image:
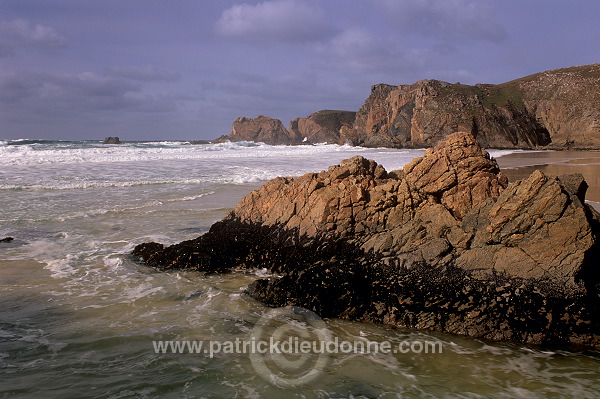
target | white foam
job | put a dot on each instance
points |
(192, 197)
(96, 184)
(500, 153)
(6, 334)
(30, 155)
(594, 204)
(59, 268)
(143, 290)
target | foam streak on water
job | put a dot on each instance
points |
(78, 315)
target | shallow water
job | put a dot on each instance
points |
(78, 316)
(521, 165)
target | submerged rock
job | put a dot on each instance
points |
(445, 244)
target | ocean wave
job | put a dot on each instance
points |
(500, 153)
(91, 213)
(96, 184)
(64, 153)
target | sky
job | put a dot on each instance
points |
(185, 69)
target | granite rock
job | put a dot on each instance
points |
(445, 244)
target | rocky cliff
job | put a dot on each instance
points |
(260, 129)
(320, 127)
(556, 109)
(444, 244)
(566, 102)
(323, 126)
(422, 114)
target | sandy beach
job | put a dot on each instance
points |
(520, 165)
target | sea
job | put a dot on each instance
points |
(81, 318)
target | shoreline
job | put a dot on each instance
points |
(520, 165)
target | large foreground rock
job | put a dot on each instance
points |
(445, 244)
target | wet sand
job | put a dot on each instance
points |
(520, 165)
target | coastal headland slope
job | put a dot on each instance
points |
(555, 109)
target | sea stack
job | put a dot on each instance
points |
(260, 129)
(445, 244)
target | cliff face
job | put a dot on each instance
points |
(554, 109)
(566, 102)
(323, 126)
(319, 127)
(422, 114)
(260, 129)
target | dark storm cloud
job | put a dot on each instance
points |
(286, 21)
(41, 93)
(19, 34)
(305, 86)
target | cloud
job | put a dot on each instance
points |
(145, 73)
(284, 96)
(355, 48)
(289, 21)
(18, 33)
(448, 20)
(42, 94)
(368, 57)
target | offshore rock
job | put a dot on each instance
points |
(445, 244)
(112, 140)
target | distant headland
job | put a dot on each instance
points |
(555, 109)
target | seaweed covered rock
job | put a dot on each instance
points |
(445, 244)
